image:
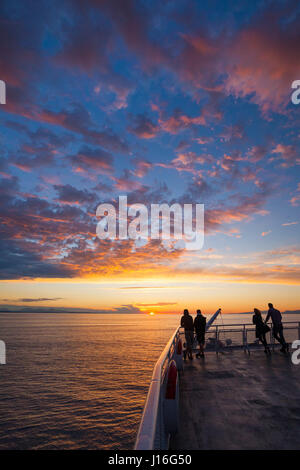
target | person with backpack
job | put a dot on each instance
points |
(261, 329)
(200, 326)
(276, 317)
(188, 324)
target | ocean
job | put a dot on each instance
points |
(79, 381)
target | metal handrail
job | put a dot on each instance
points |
(146, 433)
(244, 329)
(249, 324)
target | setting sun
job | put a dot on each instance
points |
(151, 313)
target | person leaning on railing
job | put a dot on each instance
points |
(277, 327)
(187, 323)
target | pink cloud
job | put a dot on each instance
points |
(141, 167)
(143, 127)
(261, 63)
(175, 124)
(287, 224)
(295, 199)
(288, 153)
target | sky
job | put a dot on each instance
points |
(174, 101)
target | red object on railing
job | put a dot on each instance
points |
(179, 347)
(171, 381)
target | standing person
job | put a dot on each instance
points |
(188, 324)
(200, 325)
(261, 329)
(277, 327)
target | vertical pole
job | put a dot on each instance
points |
(299, 330)
(2, 92)
(2, 352)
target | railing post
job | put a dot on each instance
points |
(217, 339)
(299, 330)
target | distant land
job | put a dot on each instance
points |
(32, 309)
(122, 309)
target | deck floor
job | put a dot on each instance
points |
(236, 401)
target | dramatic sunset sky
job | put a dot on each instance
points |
(162, 101)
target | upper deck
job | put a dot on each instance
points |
(238, 401)
(235, 398)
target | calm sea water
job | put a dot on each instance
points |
(79, 381)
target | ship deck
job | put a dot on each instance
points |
(239, 401)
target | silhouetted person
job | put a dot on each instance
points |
(199, 325)
(188, 324)
(261, 329)
(277, 327)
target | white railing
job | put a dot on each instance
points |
(234, 336)
(152, 427)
